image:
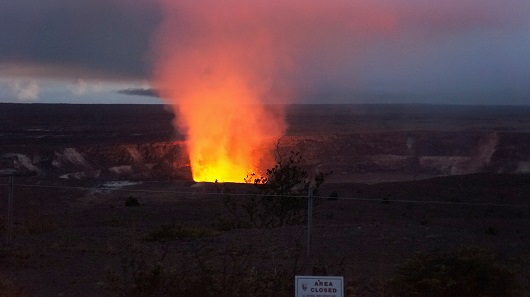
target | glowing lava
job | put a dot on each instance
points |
(215, 79)
(229, 132)
(227, 137)
(226, 141)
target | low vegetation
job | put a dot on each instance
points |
(201, 271)
(132, 202)
(467, 272)
(243, 271)
(282, 199)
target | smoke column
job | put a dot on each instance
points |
(215, 62)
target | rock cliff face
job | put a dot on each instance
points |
(163, 160)
(416, 153)
(355, 141)
(398, 153)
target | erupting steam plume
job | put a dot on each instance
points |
(215, 75)
(215, 62)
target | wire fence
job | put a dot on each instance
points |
(220, 194)
(234, 204)
(362, 238)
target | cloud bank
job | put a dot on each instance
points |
(96, 38)
(25, 91)
(340, 45)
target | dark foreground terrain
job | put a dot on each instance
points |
(82, 229)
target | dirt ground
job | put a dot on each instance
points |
(69, 237)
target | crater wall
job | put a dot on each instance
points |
(356, 142)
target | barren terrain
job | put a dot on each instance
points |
(407, 179)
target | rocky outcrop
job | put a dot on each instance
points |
(401, 154)
(412, 153)
(138, 141)
(416, 153)
(164, 160)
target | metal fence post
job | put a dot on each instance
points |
(309, 219)
(9, 235)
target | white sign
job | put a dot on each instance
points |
(319, 286)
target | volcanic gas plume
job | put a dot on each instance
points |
(215, 62)
(215, 78)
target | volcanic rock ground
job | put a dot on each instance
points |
(409, 179)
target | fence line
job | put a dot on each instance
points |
(274, 196)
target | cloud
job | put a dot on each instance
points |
(140, 92)
(315, 45)
(97, 36)
(83, 87)
(269, 45)
(25, 90)
(114, 36)
(80, 88)
(402, 45)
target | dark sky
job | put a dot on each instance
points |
(466, 51)
(91, 36)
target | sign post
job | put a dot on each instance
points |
(319, 286)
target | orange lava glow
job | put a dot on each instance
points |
(216, 63)
(226, 145)
(229, 132)
(215, 81)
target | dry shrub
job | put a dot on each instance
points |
(282, 198)
(466, 273)
(201, 271)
